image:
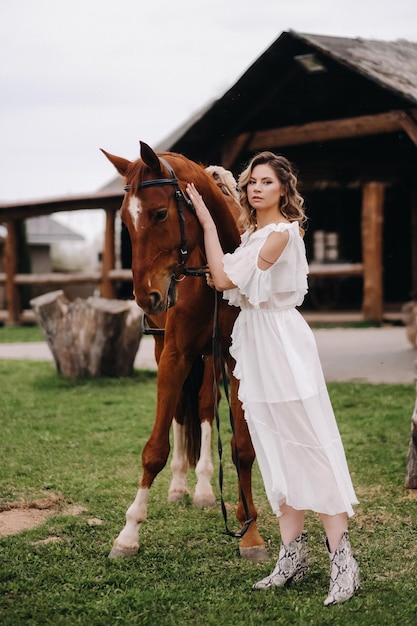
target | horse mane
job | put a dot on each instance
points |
(225, 180)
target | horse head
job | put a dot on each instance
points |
(163, 229)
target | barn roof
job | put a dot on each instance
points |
(393, 64)
(44, 230)
(346, 78)
(301, 80)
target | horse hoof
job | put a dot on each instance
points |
(123, 553)
(201, 501)
(254, 553)
(176, 496)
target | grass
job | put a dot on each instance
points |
(83, 440)
(18, 334)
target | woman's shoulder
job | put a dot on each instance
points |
(265, 231)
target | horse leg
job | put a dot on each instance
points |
(203, 493)
(127, 542)
(154, 457)
(179, 465)
(251, 545)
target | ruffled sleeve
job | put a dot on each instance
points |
(287, 275)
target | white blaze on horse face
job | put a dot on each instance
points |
(135, 209)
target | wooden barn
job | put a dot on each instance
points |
(345, 112)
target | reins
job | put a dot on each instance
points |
(180, 198)
(218, 357)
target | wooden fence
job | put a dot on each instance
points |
(59, 280)
(109, 276)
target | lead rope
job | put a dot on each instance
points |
(218, 356)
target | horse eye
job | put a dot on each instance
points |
(161, 215)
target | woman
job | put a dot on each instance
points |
(281, 383)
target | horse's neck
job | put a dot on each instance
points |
(224, 209)
(225, 212)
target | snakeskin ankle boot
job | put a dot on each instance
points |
(292, 564)
(344, 572)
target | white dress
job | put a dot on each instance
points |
(282, 387)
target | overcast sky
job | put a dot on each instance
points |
(77, 75)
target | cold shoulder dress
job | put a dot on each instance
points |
(281, 383)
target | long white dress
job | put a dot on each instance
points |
(282, 387)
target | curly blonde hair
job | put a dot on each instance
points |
(291, 203)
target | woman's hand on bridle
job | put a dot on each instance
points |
(209, 279)
(201, 210)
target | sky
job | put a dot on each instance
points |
(80, 75)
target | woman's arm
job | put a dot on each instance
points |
(212, 245)
(272, 249)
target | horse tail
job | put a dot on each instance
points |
(188, 411)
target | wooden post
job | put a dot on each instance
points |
(108, 289)
(411, 470)
(372, 220)
(413, 203)
(11, 260)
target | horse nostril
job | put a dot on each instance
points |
(154, 298)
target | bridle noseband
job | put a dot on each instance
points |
(180, 199)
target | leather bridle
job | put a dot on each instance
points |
(180, 200)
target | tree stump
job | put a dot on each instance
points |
(409, 315)
(92, 337)
(411, 476)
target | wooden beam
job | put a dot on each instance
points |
(335, 269)
(327, 130)
(73, 278)
(22, 210)
(11, 260)
(409, 125)
(232, 149)
(107, 288)
(372, 221)
(57, 278)
(413, 235)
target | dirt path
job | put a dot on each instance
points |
(16, 517)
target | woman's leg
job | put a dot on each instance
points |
(291, 523)
(344, 569)
(292, 564)
(335, 526)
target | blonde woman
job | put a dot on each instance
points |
(281, 383)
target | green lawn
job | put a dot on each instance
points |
(82, 441)
(13, 334)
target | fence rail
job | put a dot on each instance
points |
(61, 279)
(70, 278)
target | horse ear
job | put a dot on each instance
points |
(150, 158)
(119, 163)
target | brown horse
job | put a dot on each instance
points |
(191, 436)
(166, 240)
